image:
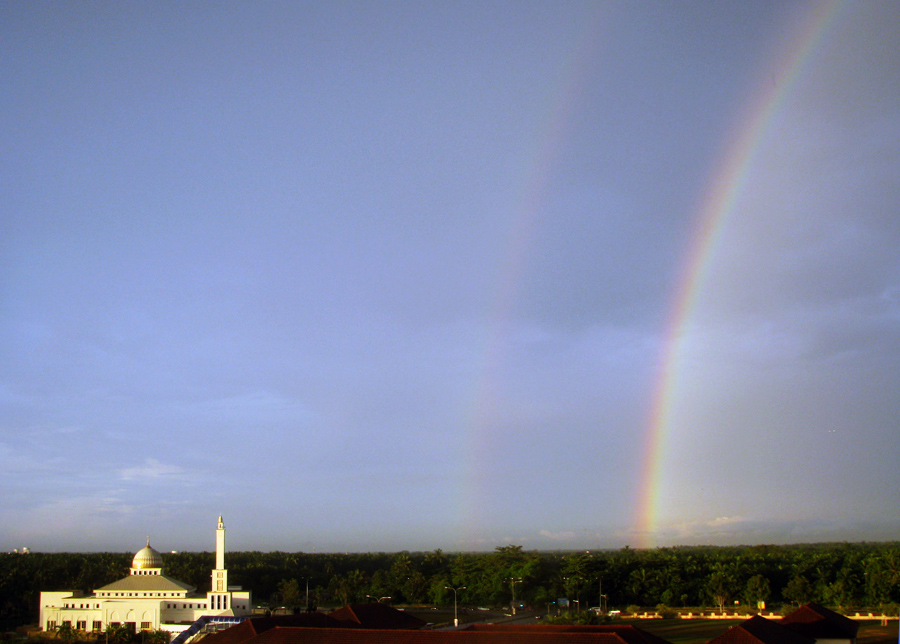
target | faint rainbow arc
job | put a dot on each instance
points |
(535, 173)
(716, 204)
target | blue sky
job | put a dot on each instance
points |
(385, 276)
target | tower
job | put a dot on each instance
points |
(219, 597)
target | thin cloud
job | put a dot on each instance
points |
(153, 471)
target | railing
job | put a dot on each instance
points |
(207, 623)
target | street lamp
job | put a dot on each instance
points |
(577, 595)
(512, 582)
(455, 610)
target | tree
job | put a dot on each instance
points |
(118, 634)
(348, 588)
(798, 590)
(757, 591)
(66, 633)
(159, 636)
(718, 586)
(289, 591)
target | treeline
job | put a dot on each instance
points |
(844, 576)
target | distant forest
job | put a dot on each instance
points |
(844, 576)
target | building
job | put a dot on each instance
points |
(759, 630)
(809, 624)
(381, 624)
(147, 599)
(823, 625)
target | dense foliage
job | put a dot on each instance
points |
(843, 576)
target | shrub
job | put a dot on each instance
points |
(665, 612)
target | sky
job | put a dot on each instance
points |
(365, 276)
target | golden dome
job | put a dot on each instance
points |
(147, 557)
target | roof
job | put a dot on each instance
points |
(759, 630)
(251, 628)
(625, 632)
(819, 623)
(377, 615)
(536, 635)
(155, 583)
(147, 557)
(343, 627)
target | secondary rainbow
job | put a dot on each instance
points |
(535, 172)
(717, 203)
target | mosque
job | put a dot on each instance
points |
(147, 599)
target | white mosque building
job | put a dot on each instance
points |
(146, 599)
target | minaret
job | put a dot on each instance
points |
(220, 545)
(219, 598)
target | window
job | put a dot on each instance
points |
(51, 626)
(98, 626)
(146, 626)
(81, 625)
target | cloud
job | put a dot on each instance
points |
(723, 521)
(153, 471)
(104, 510)
(566, 535)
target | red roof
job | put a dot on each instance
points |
(625, 632)
(377, 615)
(357, 624)
(251, 628)
(819, 623)
(759, 630)
(536, 635)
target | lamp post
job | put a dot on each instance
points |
(455, 609)
(577, 599)
(512, 582)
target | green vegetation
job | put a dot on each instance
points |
(842, 576)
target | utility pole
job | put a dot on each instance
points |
(512, 582)
(455, 609)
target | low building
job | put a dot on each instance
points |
(381, 624)
(823, 625)
(147, 599)
(809, 624)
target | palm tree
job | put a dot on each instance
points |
(66, 633)
(159, 636)
(118, 634)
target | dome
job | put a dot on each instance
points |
(147, 557)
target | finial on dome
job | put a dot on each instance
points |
(148, 541)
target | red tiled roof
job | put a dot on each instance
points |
(377, 615)
(759, 630)
(352, 625)
(819, 622)
(465, 636)
(251, 628)
(626, 632)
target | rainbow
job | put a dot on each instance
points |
(534, 175)
(716, 204)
